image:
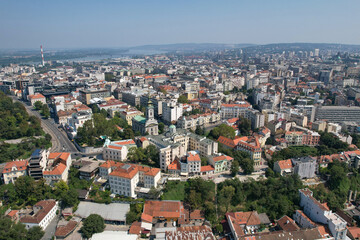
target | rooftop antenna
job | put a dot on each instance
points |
(42, 56)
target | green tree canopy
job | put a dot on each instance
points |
(222, 130)
(94, 223)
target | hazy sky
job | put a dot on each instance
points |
(102, 23)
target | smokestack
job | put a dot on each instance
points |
(42, 55)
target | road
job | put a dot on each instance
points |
(51, 228)
(60, 141)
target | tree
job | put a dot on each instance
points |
(94, 223)
(38, 105)
(136, 154)
(70, 198)
(247, 165)
(244, 126)
(199, 130)
(35, 233)
(152, 155)
(226, 195)
(45, 111)
(161, 127)
(131, 217)
(234, 168)
(183, 99)
(222, 130)
(204, 161)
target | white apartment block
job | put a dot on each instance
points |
(320, 212)
(201, 120)
(43, 213)
(125, 178)
(234, 110)
(171, 111)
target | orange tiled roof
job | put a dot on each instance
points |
(57, 170)
(222, 158)
(166, 209)
(207, 168)
(46, 206)
(36, 96)
(193, 157)
(125, 173)
(285, 164)
(20, 165)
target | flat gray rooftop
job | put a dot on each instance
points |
(110, 212)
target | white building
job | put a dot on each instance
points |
(171, 111)
(117, 150)
(320, 212)
(78, 119)
(125, 178)
(37, 98)
(58, 167)
(14, 170)
(43, 212)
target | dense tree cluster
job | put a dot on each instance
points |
(91, 131)
(27, 191)
(193, 112)
(15, 122)
(241, 159)
(135, 213)
(148, 156)
(222, 130)
(274, 196)
(9, 152)
(183, 99)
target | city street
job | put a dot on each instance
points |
(60, 141)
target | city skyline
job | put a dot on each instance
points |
(93, 24)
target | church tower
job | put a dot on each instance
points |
(150, 110)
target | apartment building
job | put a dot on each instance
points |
(221, 162)
(199, 120)
(43, 213)
(117, 150)
(37, 98)
(78, 119)
(87, 94)
(129, 114)
(175, 143)
(234, 110)
(171, 111)
(58, 166)
(297, 138)
(320, 213)
(14, 170)
(125, 178)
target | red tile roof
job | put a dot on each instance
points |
(57, 170)
(285, 164)
(166, 209)
(122, 172)
(135, 228)
(46, 206)
(64, 231)
(36, 96)
(207, 168)
(20, 165)
(287, 224)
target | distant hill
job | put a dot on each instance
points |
(191, 46)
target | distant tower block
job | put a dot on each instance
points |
(42, 55)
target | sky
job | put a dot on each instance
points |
(26, 24)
